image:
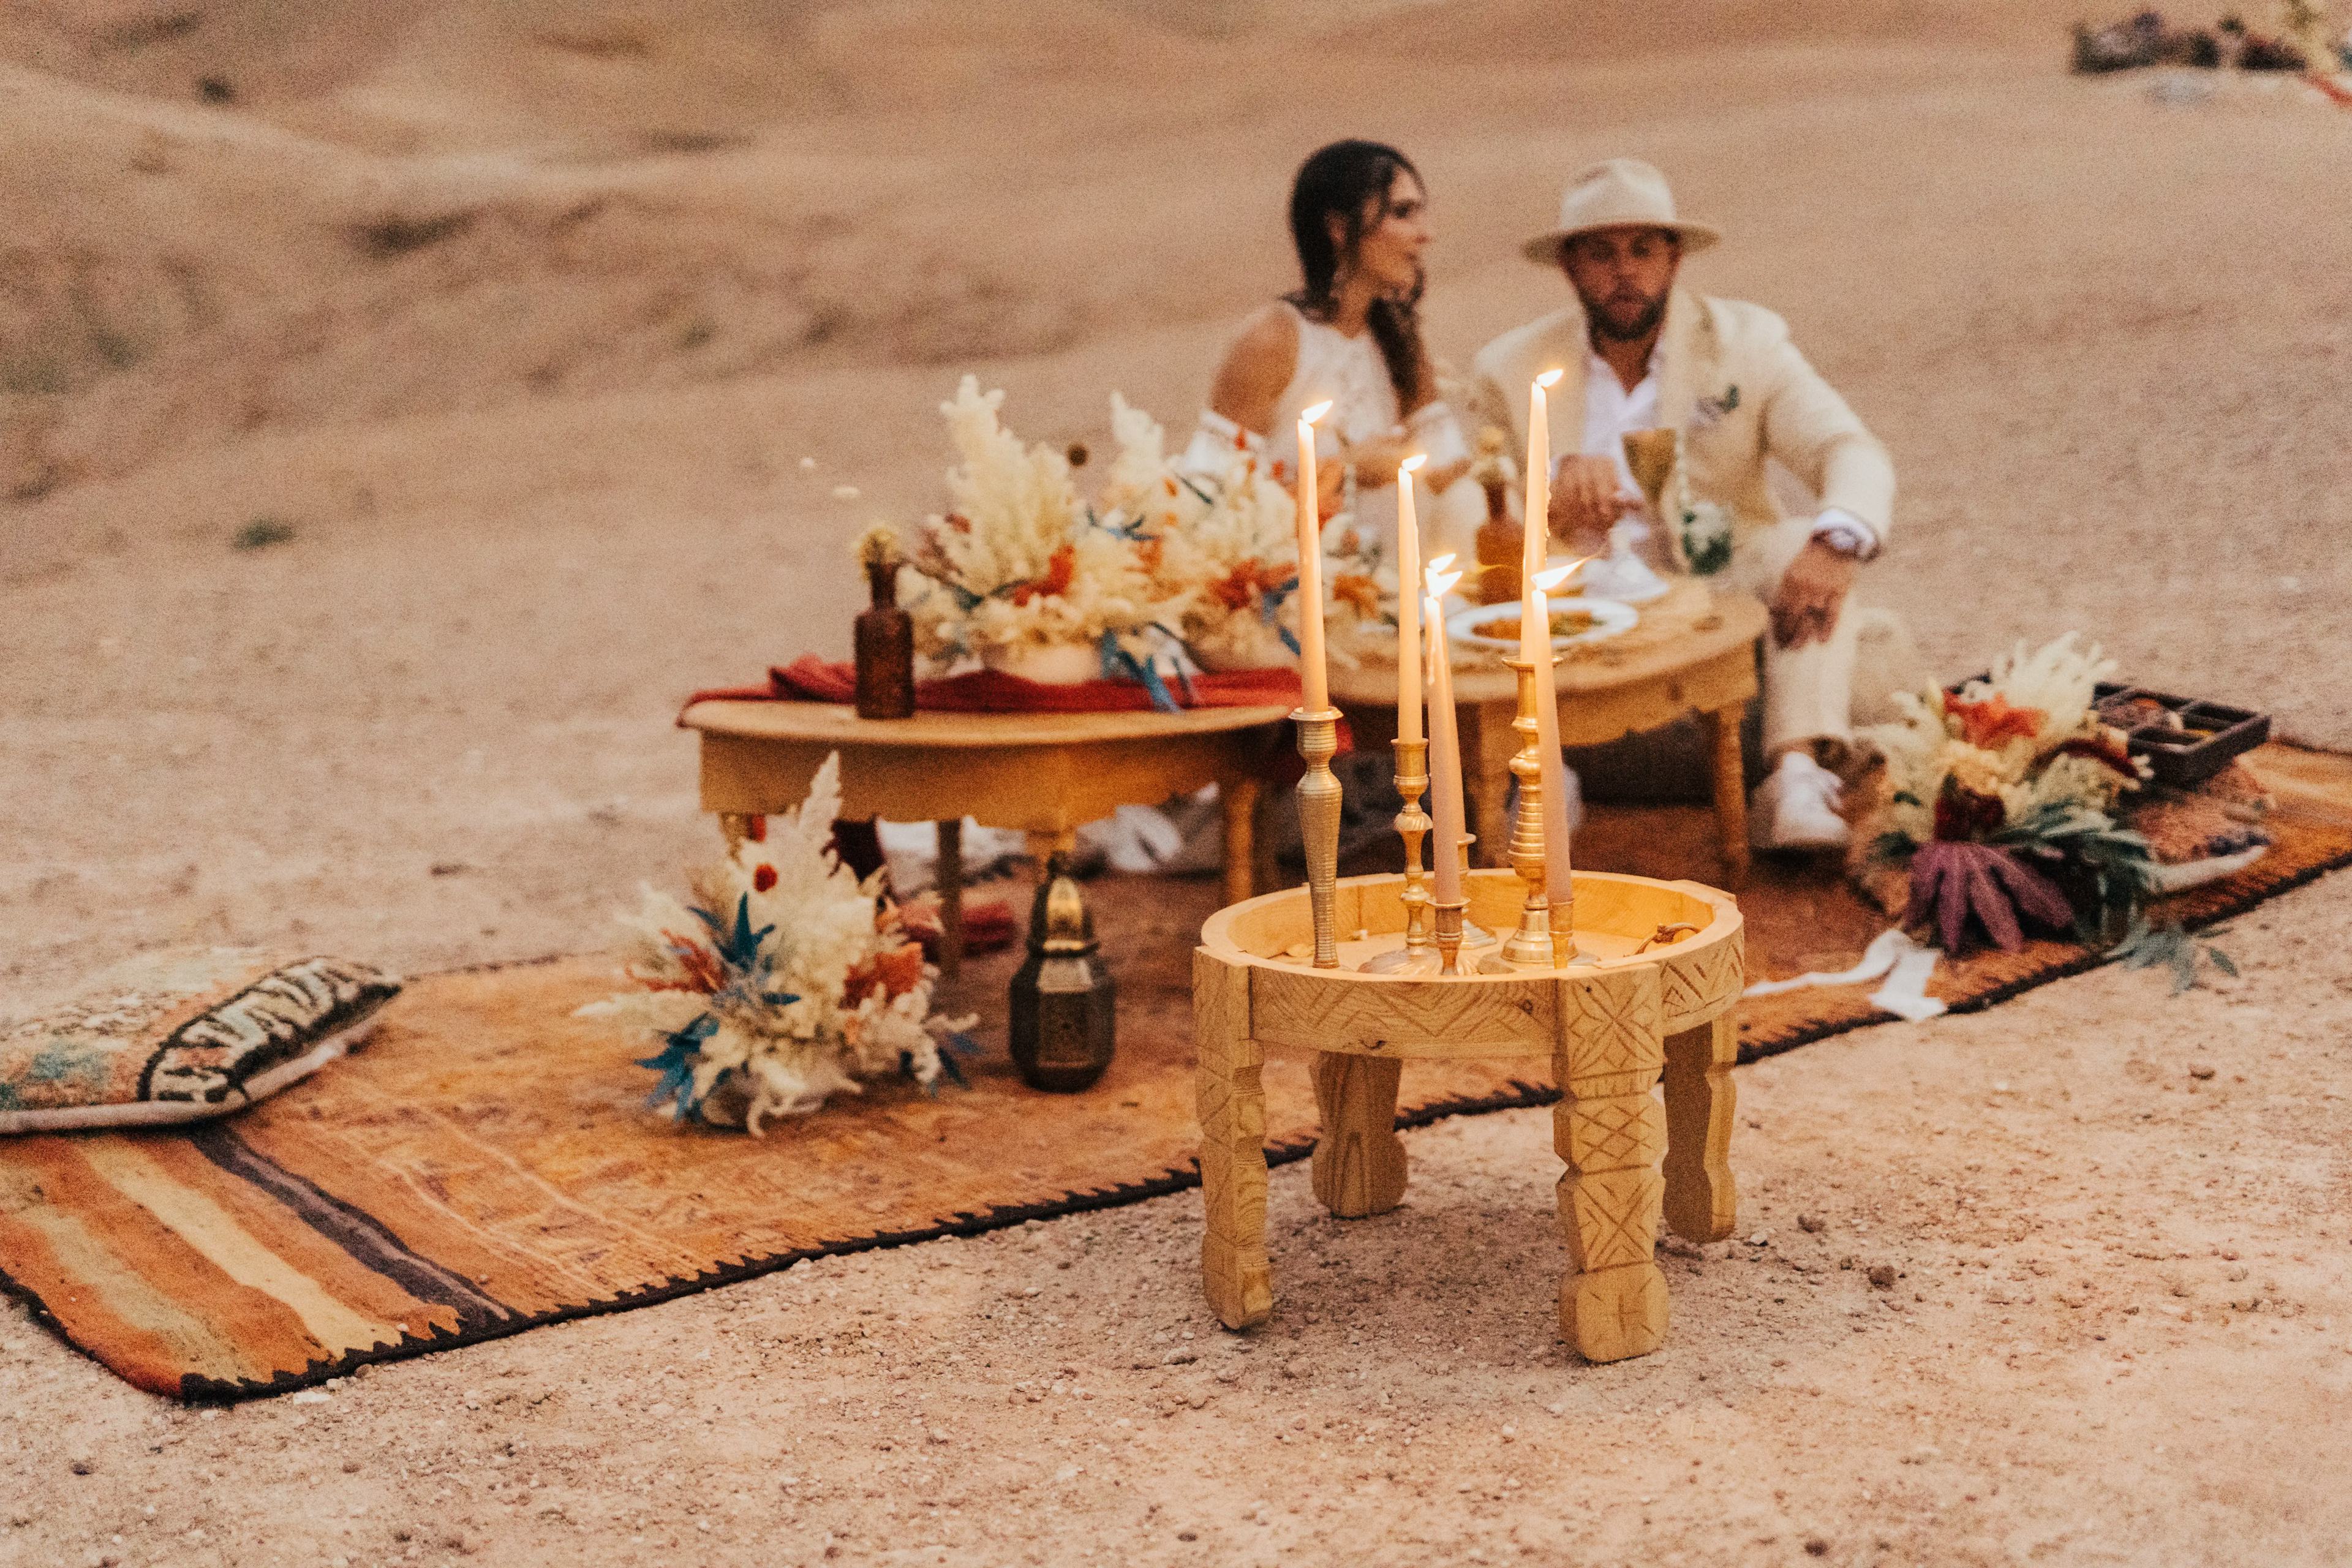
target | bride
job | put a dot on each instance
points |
(1350, 335)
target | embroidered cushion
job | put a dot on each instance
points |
(183, 1036)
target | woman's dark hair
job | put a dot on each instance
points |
(1351, 180)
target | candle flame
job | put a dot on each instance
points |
(1440, 563)
(1309, 416)
(1442, 583)
(1549, 378)
(1552, 579)
(1414, 463)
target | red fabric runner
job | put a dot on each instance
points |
(809, 678)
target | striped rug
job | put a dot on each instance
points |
(486, 1164)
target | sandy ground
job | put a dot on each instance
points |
(523, 318)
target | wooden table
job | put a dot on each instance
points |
(1611, 1028)
(1039, 774)
(1694, 653)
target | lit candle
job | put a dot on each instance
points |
(1408, 604)
(1538, 497)
(1317, 692)
(1445, 743)
(1558, 889)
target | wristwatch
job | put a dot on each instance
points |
(1847, 533)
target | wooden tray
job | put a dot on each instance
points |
(2210, 735)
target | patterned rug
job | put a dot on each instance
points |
(486, 1165)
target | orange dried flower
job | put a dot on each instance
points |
(1991, 723)
(1060, 568)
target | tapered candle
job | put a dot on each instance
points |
(1311, 676)
(1538, 498)
(1445, 743)
(1558, 889)
(1408, 604)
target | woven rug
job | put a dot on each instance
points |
(486, 1164)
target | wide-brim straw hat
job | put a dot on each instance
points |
(1623, 192)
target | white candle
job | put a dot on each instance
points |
(1445, 745)
(1311, 675)
(1558, 889)
(1538, 497)
(1408, 604)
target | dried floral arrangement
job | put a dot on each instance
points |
(1162, 559)
(1998, 804)
(783, 982)
(1220, 544)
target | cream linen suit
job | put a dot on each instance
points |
(1731, 380)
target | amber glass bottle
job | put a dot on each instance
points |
(885, 648)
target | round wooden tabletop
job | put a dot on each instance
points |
(837, 724)
(1692, 625)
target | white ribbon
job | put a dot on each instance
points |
(1907, 966)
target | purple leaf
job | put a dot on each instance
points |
(1991, 904)
(2036, 896)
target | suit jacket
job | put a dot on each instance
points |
(1731, 380)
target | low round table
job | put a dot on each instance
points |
(1039, 774)
(1609, 1029)
(1692, 653)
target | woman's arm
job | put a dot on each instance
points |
(1255, 370)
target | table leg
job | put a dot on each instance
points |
(1702, 1199)
(1611, 1132)
(1731, 795)
(1265, 865)
(950, 877)
(1231, 1096)
(1240, 796)
(1359, 1165)
(1488, 744)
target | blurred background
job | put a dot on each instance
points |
(402, 406)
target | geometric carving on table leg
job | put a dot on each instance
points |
(1702, 1198)
(1705, 982)
(1611, 1131)
(1231, 1098)
(1360, 1165)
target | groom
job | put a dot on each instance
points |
(1642, 354)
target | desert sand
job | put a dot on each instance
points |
(550, 331)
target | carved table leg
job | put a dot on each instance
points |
(950, 874)
(1612, 1130)
(1358, 1161)
(1731, 795)
(1239, 796)
(1235, 1271)
(1702, 1199)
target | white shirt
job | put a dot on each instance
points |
(1611, 413)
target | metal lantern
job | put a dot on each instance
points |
(1063, 1029)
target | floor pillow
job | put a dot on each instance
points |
(181, 1035)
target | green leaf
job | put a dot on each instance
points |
(2222, 962)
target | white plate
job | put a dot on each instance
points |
(1635, 583)
(1609, 617)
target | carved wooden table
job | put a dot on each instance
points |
(1609, 1029)
(1694, 653)
(1039, 774)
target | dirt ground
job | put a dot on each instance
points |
(523, 320)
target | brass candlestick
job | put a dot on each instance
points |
(1530, 946)
(1318, 824)
(1412, 824)
(1447, 917)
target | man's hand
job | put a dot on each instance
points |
(1811, 592)
(1585, 498)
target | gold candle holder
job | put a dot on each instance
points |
(1318, 824)
(1418, 956)
(1530, 946)
(1446, 915)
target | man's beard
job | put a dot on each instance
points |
(1652, 312)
